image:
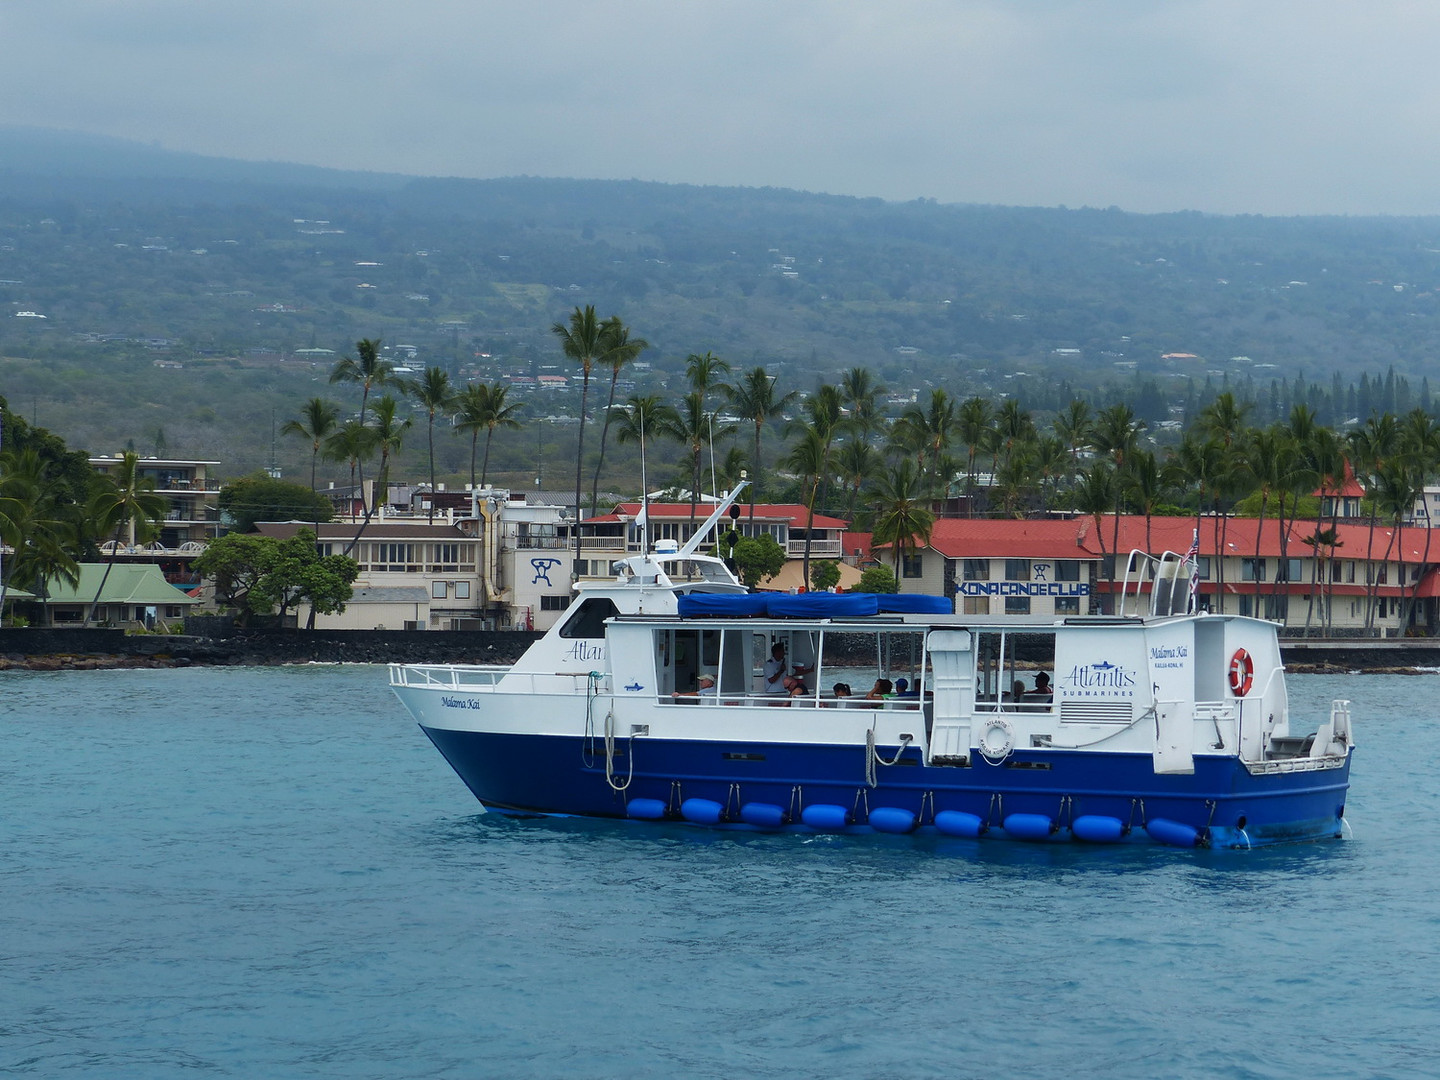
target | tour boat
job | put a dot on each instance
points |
(659, 696)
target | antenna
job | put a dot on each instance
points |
(644, 493)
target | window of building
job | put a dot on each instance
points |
(977, 569)
(977, 605)
(462, 590)
(439, 589)
(1067, 605)
(1252, 570)
(1067, 570)
(1017, 569)
(589, 618)
(1202, 566)
(1017, 605)
(911, 566)
(1288, 570)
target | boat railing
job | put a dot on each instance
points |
(449, 676)
(1170, 577)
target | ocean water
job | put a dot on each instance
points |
(270, 873)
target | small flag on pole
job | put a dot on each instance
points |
(1193, 558)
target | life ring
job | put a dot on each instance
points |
(997, 739)
(1242, 673)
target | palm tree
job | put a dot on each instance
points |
(369, 371)
(433, 393)
(695, 428)
(1052, 461)
(1421, 438)
(704, 371)
(126, 503)
(927, 431)
(483, 405)
(1094, 494)
(619, 350)
(972, 426)
(1116, 433)
(1371, 448)
(1145, 485)
(1072, 427)
(1224, 420)
(1395, 497)
(856, 461)
(33, 524)
(860, 392)
(386, 434)
(583, 341)
(645, 418)
(754, 399)
(352, 442)
(317, 420)
(902, 519)
(1197, 463)
(809, 458)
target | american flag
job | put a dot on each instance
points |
(1193, 558)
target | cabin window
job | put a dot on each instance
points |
(1017, 605)
(1252, 569)
(977, 605)
(1288, 570)
(588, 621)
(1006, 664)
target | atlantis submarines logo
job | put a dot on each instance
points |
(1099, 680)
(584, 651)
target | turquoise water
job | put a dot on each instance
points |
(270, 873)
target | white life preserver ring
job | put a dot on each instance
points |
(997, 739)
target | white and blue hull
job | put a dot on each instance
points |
(1042, 793)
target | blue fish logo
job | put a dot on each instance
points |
(634, 688)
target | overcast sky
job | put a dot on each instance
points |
(1274, 107)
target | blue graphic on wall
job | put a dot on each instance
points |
(542, 570)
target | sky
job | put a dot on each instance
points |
(1272, 107)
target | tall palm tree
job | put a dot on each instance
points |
(1072, 427)
(370, 371)
(973, 421)
(1420, 436)
(902, 518)
(1094, 495)
(41, 536)
(809, 458)
(583, 341)
(857, 462)
(125, 503)
(1197, 464)
(927, 430)
(433, 393)
(1224, 420)
(318, 418)
(695, 428)
(860, 394)
(646, 417)
(703, 370)
(352, 442)
(1145, 486)
(1371, 448)
(484, 405)
(619, 350)
(754, 399)
(1052, 461)
(1117, 433)
(387, 434)
(1395, 497)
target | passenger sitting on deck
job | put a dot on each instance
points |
(902, 689)
(1041, 693)
(706, 689)
(1017, 692)
(882, 689)
(842, 689)
(776, 669)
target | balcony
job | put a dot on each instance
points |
(819, 549)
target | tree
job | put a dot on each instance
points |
(259, 497)
(255, 575)
(433, 393)
(878, 579)
(902, 520)
(808, 457)
(367, 369)
(318, 419)
(40, 536)
(825, 575)
(583, 341)
(972, 427)
(127, 504)
(618, 350)
(1116, 433)
(482, 405)
(758, 558)
(351, 443)
(754, 399)
(387, 435)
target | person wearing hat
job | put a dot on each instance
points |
(706, 688)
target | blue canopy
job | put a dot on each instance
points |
(818, 605)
